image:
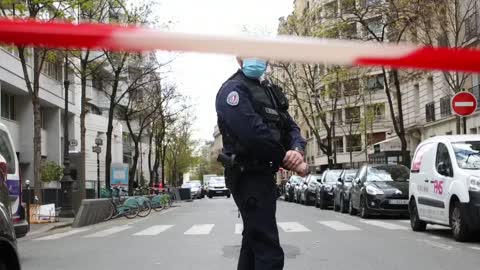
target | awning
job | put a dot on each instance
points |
(390, 144)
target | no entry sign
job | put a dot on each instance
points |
(464, 103)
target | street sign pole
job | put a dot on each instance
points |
(464, 104)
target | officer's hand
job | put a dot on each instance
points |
(292, 159)
(302, 169)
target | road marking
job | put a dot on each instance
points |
(405, 221)
(154, 230)
(385, 225)
(199, 229)
(238, 228)
(64, 234)
(436, 244)
(109, 232)
(292, 227)
(475, 248)
(339, 226)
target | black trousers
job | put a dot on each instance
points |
(256, 197)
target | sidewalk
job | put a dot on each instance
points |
(41, 228)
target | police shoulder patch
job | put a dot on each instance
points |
(233, 98)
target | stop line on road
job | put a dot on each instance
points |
(206, 229)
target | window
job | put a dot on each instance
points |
(354, 143)
(445, 108)
(348, 6)
(476, 92)
(338, 141)
(444, 157)
(467, 154)
(338, 116)
(352, 115)
(473, 131)
(94, 109)
(53, 69)
(442, 40)
(375, 83)
(350, 31)
(430, 88)
(374, 28)
(350, 88)
(8, 106)
(6, 151)
(331, 10)
(97, 83)
(376, 137)
(417, 160)
(430, 112)
(471, 26)
(416, 99)
(377, 111)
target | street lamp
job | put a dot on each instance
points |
(27, 183)
(98, 149)
(66, 182)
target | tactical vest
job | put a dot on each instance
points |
(270, 103)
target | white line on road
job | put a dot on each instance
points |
(154, 230)
(109, 232)
(238, 228)
(199, 229)
(475, 248)
(64, 234)
(339, 226)
(436, 244)
(292, 227)
(385, 225)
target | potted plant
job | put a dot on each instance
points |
(51, 174)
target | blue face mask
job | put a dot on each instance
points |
(254, 68)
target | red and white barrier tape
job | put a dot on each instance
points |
(294, 49)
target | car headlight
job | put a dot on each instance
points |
(474, 183)
(374, 191)
(328, 187)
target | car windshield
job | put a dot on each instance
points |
(349, 175)
(467, 154)
(332, 176)
(317, 178)
(388, 173)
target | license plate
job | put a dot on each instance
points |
(218, 192)
(398, 201)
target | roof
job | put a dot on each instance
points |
(453, 138)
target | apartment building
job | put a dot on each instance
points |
(17, 115)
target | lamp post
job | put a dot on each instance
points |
(98, 149)
(27, 183)
(66, 182)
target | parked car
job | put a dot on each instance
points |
(216, 187)
(195, 189)
(298, 190)
(341, 193)
(324, 191)
(308, 192)
(290, 187)
(445, 185)
(9, 259)
(14, 183)
(380, 189)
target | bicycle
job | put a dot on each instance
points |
(127, 207)
(144, 202)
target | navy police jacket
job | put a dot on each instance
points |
(254, 121)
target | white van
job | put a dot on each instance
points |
(445, 184)
(7, 150)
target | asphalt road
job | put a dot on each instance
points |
(204, 235)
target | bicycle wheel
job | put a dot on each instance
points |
(110, 211)
(146, 208)
(133, 208)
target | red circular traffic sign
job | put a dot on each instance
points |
(464, 103)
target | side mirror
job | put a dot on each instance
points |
(340, 180)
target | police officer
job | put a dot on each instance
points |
(259, 136)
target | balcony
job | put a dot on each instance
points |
(430, 112)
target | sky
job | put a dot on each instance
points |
(199, 76)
